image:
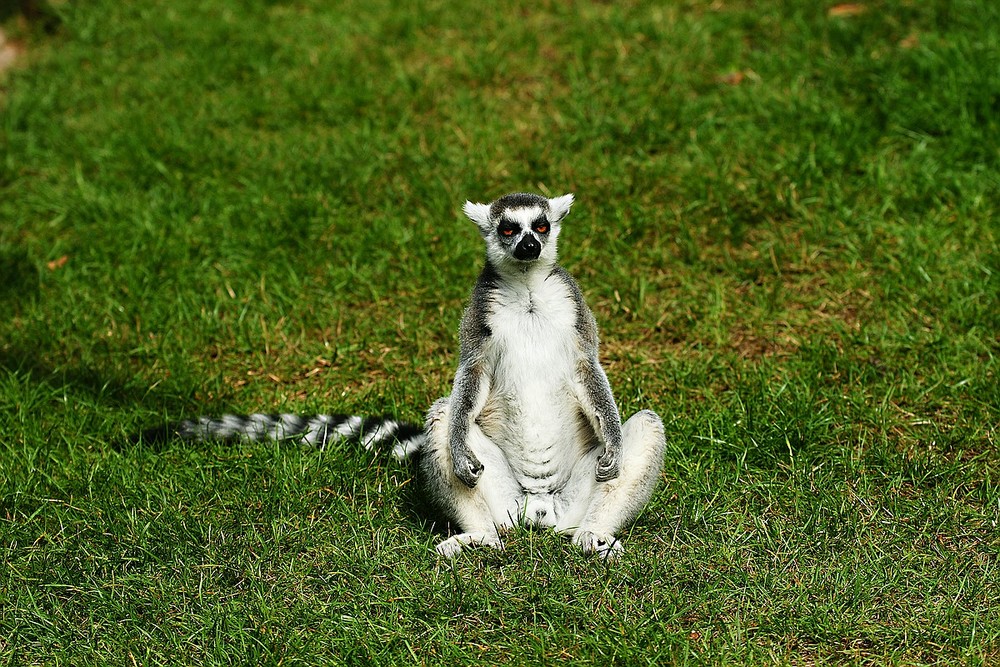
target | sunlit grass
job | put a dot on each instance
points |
(785, 224)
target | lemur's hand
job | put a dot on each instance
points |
(609, 464)
(467, 467)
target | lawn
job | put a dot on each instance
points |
(786, 225)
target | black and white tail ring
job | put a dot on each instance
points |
(314, 430)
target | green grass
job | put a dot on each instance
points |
(786, 226)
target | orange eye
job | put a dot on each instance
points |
(506, 232)
(541, 229)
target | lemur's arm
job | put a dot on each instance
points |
(594, 390)
(472, 381)
(599, 405)
(467, 400)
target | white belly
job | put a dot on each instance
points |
(532, 412)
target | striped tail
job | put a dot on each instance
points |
(315, 430)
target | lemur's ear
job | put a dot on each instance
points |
(479, 214)
(559, 207)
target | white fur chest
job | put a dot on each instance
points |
(533, 333)
(532, 411)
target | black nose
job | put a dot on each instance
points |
(528, 249)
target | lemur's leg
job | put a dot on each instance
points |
(493, 504)
(591, 511)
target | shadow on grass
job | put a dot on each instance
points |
(94, 391)
(81, 383)
(419, 509)
(19, 279)
(37, 13)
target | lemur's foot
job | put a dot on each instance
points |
(453, 546)
(607, 547)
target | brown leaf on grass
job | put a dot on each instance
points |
(731, 78)
(847, 9)
(911, 41)
(737, 77)
(58, 263)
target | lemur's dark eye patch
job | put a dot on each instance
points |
(507, 228)
(541, 225)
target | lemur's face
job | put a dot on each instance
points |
(523, 232)
(519, 228)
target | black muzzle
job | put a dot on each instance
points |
(528, 249)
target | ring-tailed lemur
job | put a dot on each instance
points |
(530, 432)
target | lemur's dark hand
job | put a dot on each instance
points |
(467, 466)
(608, 464)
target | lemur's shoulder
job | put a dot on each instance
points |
(475, 327)
(586, 324)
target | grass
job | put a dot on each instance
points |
(786, 226)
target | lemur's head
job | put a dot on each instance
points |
(520, 229)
